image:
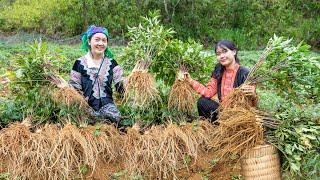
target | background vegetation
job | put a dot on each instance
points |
(249, 23)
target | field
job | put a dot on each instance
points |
(27, 95)
(49, 131)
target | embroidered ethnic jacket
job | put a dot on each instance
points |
(97, 88)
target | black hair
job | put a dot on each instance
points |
(218, 70)
(227, 44)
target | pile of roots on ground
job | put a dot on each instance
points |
(52, 152)
(162, 151)
(140, 88)
(55, 152)
(182, 97)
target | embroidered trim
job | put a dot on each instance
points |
(103, 76)
(117, 74)
(75, 76)
(104, 73)
(75, 79)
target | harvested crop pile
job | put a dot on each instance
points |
(162, 151)
(52, 152)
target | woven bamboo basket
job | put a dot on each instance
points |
(261, 163)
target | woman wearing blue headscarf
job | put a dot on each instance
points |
(95, 72)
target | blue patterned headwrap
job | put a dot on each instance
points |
(89, 33)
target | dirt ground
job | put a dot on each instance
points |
(204, 168)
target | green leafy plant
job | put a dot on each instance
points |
(291, 71)
(32, 92)
(84, 169)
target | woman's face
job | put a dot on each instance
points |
(225, 56)
(98, 44)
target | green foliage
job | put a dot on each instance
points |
(46, 16)
(293, 72)
(119, 174)
(290, 93)
(249, 23)
(148, 40)
(4, 176)
(83, 169)
(297, 136)
(30, 91)
(190, 54)
(151, 40)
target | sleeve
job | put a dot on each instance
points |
(75, 76)
(207, 91)
(118, 78)
(244, 74)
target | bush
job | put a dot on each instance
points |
(249, 23)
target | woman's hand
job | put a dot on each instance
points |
(187, 77)
(249, 90)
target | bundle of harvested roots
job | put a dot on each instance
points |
(105, 141)
(67, 95)
(237, 132)
(237, 98)
(163, 150)
(182, 96)
(140, 89)
(54, 153)
(13, 142)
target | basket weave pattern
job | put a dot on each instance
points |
(261, 163)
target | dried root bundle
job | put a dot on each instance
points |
(35, 160)
(54, 153)
(13, 141)
(66, 94)
(237, 132)
(70, 97)
(140, 88)
(162, 151)
(237, 98)
(105, 140)
(182, 96)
